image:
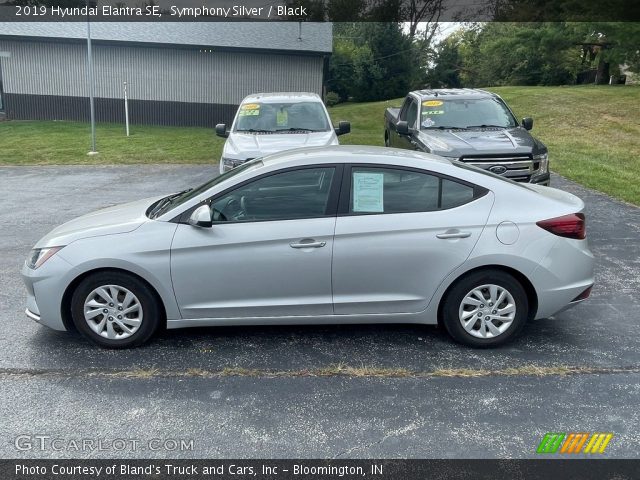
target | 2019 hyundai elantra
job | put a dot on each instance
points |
(328, 235)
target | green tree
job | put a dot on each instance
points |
(519, 54)
(371, 61)
(447, 64)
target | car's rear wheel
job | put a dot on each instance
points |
(485, 309)
(115, 310)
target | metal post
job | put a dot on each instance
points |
(91, 86)
(126, 108)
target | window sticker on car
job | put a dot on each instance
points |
(432, 112)
(282, 118)
(368, 192)
(249, 109)
(428, 123)
(432, 103)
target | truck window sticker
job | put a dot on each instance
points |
(282, 118)
(249, 109)
(432, 103)
(368, 192)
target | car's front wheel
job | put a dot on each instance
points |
(485, 309)
(115, 310)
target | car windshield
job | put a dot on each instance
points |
(465, 113)
(167, 204)
(256, 117)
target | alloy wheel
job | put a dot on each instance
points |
(487, 311)
(113, 312)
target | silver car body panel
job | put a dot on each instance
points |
(384, 267)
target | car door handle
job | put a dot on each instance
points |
(307, 243)
(453, 234)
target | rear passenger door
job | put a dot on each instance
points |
(399, 233)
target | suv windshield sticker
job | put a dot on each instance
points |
(432, 103)
(432, 112)
(368, 191)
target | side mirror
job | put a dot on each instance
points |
(402, 127)
(343, 127)
(527, 123)
(201, 217)
(221, 130)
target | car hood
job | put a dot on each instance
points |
(108, 221)
(460, 143)
(248, 145)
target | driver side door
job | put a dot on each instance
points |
(268, 253)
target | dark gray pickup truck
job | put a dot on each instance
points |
(473, 126)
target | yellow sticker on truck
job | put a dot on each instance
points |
(432, 103)
(249, 109)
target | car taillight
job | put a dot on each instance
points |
(569, 226)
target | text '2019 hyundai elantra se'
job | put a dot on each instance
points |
(327, 235)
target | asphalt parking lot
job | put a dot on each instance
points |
(327, 391)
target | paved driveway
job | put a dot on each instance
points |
(287, 391)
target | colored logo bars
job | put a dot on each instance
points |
(574, 443)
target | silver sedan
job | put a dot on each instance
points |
(327, 235)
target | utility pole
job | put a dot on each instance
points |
(91, 86)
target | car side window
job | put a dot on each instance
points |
(455, 194)
(385, 190)
(388, 190)
(288, 195)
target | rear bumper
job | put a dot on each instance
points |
(562, 276)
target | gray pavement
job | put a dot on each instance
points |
(275, 406)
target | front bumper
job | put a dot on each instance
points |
(45, 289)
(543, 179)
(32, 315)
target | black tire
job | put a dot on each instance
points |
(453, 300)
(151, 312)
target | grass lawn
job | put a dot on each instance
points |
(58, 143)
(593, 135)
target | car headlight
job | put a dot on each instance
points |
(229, 163)
(544, 162)
(40, 255)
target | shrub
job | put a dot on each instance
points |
(332, 99)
